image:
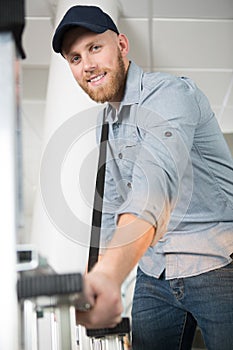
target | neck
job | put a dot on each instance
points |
(115, 105)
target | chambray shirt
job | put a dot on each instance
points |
(168, 163)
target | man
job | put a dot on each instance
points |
(168, 201)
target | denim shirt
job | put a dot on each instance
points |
(168, 163)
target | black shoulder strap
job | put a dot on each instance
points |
(98, 199)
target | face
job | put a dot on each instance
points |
(98, 62)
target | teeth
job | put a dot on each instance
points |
(97, 78)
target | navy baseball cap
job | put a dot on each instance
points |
(90, 17)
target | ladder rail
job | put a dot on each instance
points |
(8, 300)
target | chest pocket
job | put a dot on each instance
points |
(129, 149)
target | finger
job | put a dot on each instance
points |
(91, 320)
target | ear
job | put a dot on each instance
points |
(123, 43)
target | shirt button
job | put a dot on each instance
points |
(120, 155)
(129, 185)
(168, 133)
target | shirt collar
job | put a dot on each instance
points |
(133, 85)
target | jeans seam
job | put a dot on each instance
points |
(182, 333)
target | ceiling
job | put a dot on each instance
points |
(183, 37)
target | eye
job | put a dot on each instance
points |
(95, 48)
(75, 59)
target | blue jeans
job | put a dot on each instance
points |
(165, 313)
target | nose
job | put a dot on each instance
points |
(88, 63)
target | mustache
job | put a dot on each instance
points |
(95, 73)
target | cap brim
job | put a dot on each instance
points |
(59, 34)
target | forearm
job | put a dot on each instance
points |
(103, 283)
(130, 241)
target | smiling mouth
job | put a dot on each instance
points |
(96, 78)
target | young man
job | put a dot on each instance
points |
(168, 202)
